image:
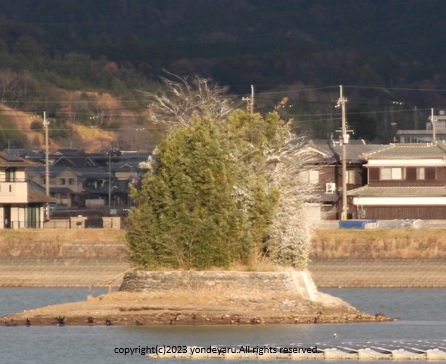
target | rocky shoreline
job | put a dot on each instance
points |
(134, 308)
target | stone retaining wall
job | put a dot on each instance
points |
(297, 281)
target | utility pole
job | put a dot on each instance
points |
(250, 101)
(109, 179)
(434, 131)
(345, 138)
(47, 163)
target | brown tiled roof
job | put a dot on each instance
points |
(367, 191)
(409, 151)
(36, 196)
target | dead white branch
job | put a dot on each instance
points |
(185, 99)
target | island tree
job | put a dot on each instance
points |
(222, 188)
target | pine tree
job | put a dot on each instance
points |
(186, 216)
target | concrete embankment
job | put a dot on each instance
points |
(379, 258)
(379, 273)
(62, 259)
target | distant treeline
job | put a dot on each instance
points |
(390, 51)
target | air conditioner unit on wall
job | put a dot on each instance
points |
(330, 187)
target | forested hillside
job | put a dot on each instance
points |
(389, 54)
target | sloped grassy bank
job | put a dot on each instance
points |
(326, 243)
(381, 258)
(379, 244)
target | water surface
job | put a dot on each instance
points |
(421, 311)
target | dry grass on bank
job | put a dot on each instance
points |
(326, 243)
(60, 235)
(53, 243)
(379, 243)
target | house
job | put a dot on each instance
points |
(22, 203)
(405, 181)
(71, 158)
(435, 128)
(81, 180)
(326, 173)
(75, 186)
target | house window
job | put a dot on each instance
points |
(10, 174)
(421, 173)
(71, 181)
(310, 176)
(391, 173)
(313, 176)
(351, 177)
(61, 181)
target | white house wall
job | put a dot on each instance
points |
(406, 163)
(399, 201)
(17, 217)
(13, 192)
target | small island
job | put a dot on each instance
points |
(218, 233)
(207, 298)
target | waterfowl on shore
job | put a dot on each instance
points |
(60, 321)
(108, 322)
(27, 322)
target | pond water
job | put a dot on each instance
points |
(422, 314)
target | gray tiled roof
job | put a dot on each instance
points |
(355, 149)
(367, 191)
(419, 132)
(409, 151)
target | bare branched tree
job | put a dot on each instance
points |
(186, 98)
(291, 233)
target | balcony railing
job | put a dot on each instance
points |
(12, 180)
